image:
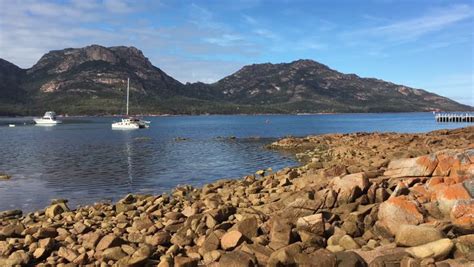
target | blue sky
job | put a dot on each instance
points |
(423, 44)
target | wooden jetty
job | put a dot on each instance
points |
(454, 117)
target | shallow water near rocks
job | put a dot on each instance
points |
(84, 161)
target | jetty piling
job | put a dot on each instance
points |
(454, 117)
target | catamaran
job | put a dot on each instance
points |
(130, 123)
(49, 118)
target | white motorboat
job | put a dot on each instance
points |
(11, 125)
(49, 118)
(130, 123)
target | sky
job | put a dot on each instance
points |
(425, 44)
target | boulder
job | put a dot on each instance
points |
(67, 253)
(438, 249)
(347, 242)
(143, 223)
(448, 196)
(285, 256)
(349, 259)
(39, 253)
(211, 256)
(180, 261)
(392, 259)
(90, 240)
(160, 238)
(114, 253)
(446, 159)
(55, 210)
(237, 259)
(231, 239)
(324, 259)
(397, 211)
(464, 247)
(210, 243)
(349, 187)
(415, 235)
(248, 227)
(261, 253)
(108, 241)
(462, 216)
(280, 233)
(18, 258)
(312, 223)
(412, 167)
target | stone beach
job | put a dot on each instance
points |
(361, 199)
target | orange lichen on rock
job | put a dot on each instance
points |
(462, 215)
(397, 211)
(448, 196)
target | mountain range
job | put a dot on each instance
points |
(92, 81)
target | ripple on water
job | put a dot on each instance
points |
(85, 161)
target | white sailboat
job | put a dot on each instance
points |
(49, 118)
(130, 123)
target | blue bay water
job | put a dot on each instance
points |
(85, 161)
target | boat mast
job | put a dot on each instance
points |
(128, 92)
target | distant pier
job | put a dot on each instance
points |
(454, 117)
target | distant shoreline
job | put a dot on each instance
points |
(223, 114)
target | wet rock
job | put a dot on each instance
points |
(397, 211)
(438, 249)
(412, 235)
(10, 214)
(55, 210)
(4, 176)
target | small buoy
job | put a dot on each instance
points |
(11, 125)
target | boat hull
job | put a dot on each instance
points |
(47, 122)
(124, 126)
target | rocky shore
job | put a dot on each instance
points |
(363, 199)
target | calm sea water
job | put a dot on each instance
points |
(85, 161)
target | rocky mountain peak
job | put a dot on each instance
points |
(59, 61)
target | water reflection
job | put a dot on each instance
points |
(84, 161)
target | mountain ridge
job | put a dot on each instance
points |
(91, 81)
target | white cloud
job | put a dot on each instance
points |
(189, 51)
(413, 28)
